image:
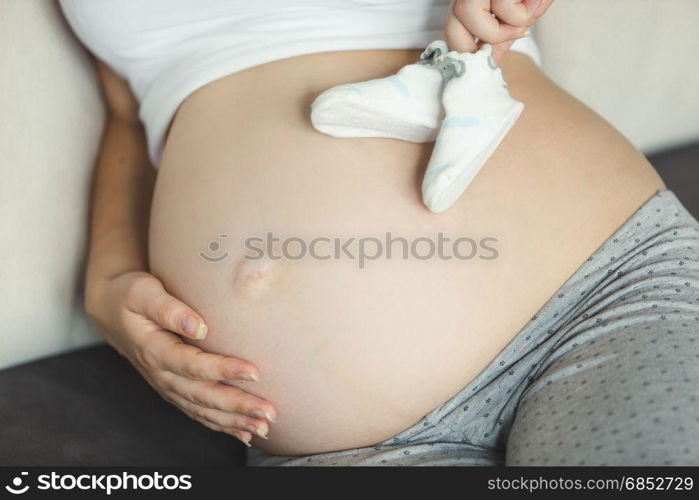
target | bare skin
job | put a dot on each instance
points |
(351, 357)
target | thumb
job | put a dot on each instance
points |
(149, 298)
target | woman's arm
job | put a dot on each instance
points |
(132, 309)
(123, 189)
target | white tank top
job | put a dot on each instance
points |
(167, 49)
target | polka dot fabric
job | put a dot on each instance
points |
(606, 373)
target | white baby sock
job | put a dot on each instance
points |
(479, 113)
(405, 106)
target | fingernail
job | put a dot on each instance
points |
(194, 328)
(246, 442)
(257, 431)
(202, 330)
(249, 376)
(262, 414)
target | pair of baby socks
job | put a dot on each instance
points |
(459, 99)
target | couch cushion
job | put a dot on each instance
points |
(51, 121)
(91, 407)
(632, 61)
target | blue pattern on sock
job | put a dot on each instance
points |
(401, 87)
(460, 121)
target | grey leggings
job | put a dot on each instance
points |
(606, 373)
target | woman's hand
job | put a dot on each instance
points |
(144, 323)
(497, 22)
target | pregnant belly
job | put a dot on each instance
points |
(352, 352)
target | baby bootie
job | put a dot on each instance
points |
(404, 106)
(479, 114)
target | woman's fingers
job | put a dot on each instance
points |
(477, 18)
(472, 23)
(191, 362)
(243, 436)
(457, 36)
(222, 419)
(501, 49)
(219, 397)
(520, 12)
(516, 12)
(148, 297)
(545, 4)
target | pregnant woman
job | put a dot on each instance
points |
(576, 344)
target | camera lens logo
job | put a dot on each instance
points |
(214, 247)
(16, 488)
